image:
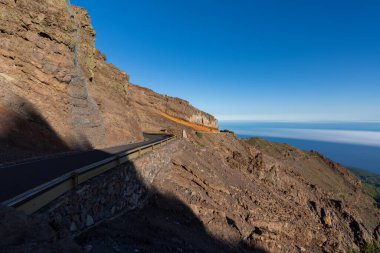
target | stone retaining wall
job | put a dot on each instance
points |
(121, 189)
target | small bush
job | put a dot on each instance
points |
(228, 131)
(373, 247)
(199, 134)
(200, 144)
(373, 190)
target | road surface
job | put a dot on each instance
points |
(19, 178)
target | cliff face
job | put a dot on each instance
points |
(147, 100)
(50, 67)
(41, 66)
(57, 92)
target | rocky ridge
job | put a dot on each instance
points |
(57, 92)
(53, 77)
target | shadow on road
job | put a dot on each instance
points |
(162, 224)
(25, 133)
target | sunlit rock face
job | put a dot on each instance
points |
(147, 101)
(48, 66)
(205, 120)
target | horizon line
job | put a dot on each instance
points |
(298, 121)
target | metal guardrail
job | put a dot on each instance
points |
(36, 198)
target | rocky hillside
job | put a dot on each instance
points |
(54, 82)
(218, 194)
(165, 105)
(246, 196)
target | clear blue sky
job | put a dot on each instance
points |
(295, 60)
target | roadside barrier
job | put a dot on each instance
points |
(36, 198)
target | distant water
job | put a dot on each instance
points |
(351, 144)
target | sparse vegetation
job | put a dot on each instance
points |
(200, 144)
(199, 134)
(373, 247)
(228, 131)
(366, 175)
(371, 182)
(373, 190)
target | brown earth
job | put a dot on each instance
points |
(58, 93)
(245, 197)
(49, 63)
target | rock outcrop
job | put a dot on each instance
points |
(42, 65)
(50, 67)
(151, 105)
(208, 192)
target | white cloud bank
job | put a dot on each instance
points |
(293, 118)
(368, 138)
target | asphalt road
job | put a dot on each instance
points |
(19, 178)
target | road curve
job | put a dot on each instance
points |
(19, 178)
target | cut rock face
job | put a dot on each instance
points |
(48, 60)
(37, 66)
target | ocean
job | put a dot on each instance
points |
(351, 144)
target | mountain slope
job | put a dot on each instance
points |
(371, 182)
(250, 194)
(50, 67)
(58, 93)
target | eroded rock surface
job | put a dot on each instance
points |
(245, 197)
(49, 67)
(45, 46)
(149, 104)
(214, 193)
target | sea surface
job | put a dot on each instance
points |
(351, 144)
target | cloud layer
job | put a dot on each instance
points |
(368, 138)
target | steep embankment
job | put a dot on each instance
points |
(371, 182)
(246, 195)
(57, 92)
(52, 77)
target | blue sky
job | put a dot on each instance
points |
(294, 60)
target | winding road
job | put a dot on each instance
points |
(19, 178)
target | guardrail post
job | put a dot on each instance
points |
(118, 160)
(75, 179)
